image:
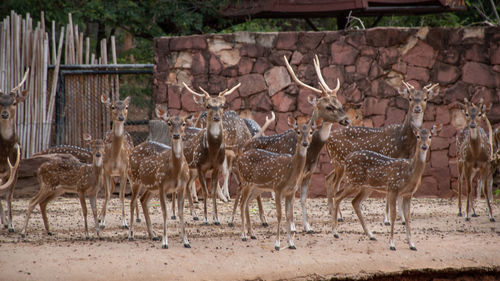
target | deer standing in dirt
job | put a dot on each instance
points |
(330, 110)
(206, 151)
(366, 171)
(474, 155)
(9, 147)
(167, 172)
(116, 156)
(64, 173)
(261, 170)
(396, 141)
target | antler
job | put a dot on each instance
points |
(429, 87)
(321, 80)
(22, 81)
(408, 85)
(12, 170)
(294, 77)
(204, 95)
(227, 92)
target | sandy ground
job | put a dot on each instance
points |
(443, 241)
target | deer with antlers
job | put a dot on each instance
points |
(64, 173)
(474, 155)
(206, 151)
(330, 110)
(116, 156)
(9, 147)
(366, 171)
(261, 170)
(167, 172)
(396, 141)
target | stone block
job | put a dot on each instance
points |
(368, 51)
(187, 101)
(309, 40)
(439, 158)
(443, 115)
(448, 131)
(495, 54)
(428, 187)
(385, 37)
(394, 116)
(286, 40)
(363, 65)
(215, 65)
(477, 53)
(343, 53)
(417, 73)
(400, 67)
(251, 84)
(457, 92)
(421, 54)
(283, 102)
(444, 74)
(430, 113)
(229, 57)
(245, 65)
(199, 64)
(373, 106)
(174, 96)
(188, 43)
(317, 186)
(378, 121)
(277, 78)
(261, 65)
(439, 143)
(478, 73)
(296, 58)
(251, 50)
(388, 57)
(260, 102)
(302, 101)
(282, 122)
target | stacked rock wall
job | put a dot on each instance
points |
(370, 65)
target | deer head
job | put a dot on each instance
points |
(97, 148)
(473, 114)
(304, 134)
(327, 106)
(424, 139)
(8, 107)
(213, 105)
(418, 101)
(119, 112)
(176, 126)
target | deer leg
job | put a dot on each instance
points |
(191, 204)
(303, 197)
(244, 202)
(81, 196)
(192, 186)
(226, 171)
(236, 201)
(32, 204)
(250, 197)
(406, 213)
(386, 213)
(262, 216)
(278, 214)
(43, 210)
(215, 181)
(145, 209)
(123, 184)
(174, 195)
(2, 216)
(488, 179)
(93, 205)
(478, 190)
(348, 190)
(289, 219)
(163, 204)
(180, 204)
(459, 185)
(392, 198)
(107, 195)
(134, 188)
(201, 177)
(468, 182)
(356, 202)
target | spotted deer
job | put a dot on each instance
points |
(366, 171)
(82, 154)
(330, 110)
(474, 155)
(116, 156)
(9, 147)
(64, 173)
(206, 151)
(396, 141)
(167, 172)
(261, 170)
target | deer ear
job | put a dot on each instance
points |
(87, 137)
(312, 100)
(189, 120)
(161, 113)
(198, 100)
(404, 93)
(105, 100)
(436, 128)
(22, 97)
(292, 122)
(127, 101)
(486, 107)
(434, 92)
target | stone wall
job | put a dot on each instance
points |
(370, 65)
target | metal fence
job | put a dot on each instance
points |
(78, 102)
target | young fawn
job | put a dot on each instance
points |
(167, 172)
(366, 171)
(66, 174)
(260, 170)
(474, 155)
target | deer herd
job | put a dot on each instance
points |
(389, 159)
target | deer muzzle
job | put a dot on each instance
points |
(98, 154)
(472, 125)
(424, 147)
(305, 144)
(121, 118)
(216, 118)
(5, 115)
(417, 110)
(176, 136)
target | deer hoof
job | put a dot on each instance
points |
(196, 218)
(253, 237)
(467, 219)
(310, 232)
(265, 224)
(277, 248)
(230, 224)
(173, 217)
(131, 239)
(387, 223)
(336, 235)
(205, 223)
(11, 230)
(459, 214)
(292, 247)
(217, 223)
(87, 238)
(124, 226)
(155, 238)
(392, 248)
(137, 220)
(164, 246)
(403, 223)
(102, 226)
(475, 215)
(48, 233)
(340, 220)
(492, 219)
(23, 235)
(413, 248)
(373, 238)
(5, 226)
(187, 245)
(244, 239)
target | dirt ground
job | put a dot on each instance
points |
(444, 241)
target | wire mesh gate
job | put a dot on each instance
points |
(78, 102)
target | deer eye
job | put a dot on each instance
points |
(329, 108)
(298, 133)
(113, 107)
(183, 124)
(418, 137)
(208, 106)
(467, 114)
(425, 99)
(311, 132)
(410, 99)
(169, 124)
(126, 107)
(430, 137)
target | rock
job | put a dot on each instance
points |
(317, 186)
(444, 74)
(283, 102)
(457, 92)
(244, 37)
(251, 84)
(231, 71)
(343, 53)
(439, 158)
(378, 121)
(375, 71)
(478, 73)
(276, 57)
(215, 65)
(330, 74)
(199, 64)
(252, 51)
(384, 37)
(303, 104)
(296, 58)
(430, 113)
(495, 55)
(174, 96)
(388, 57)
(439, 143)
(187, 101)
(261, 65)
(309, 40)
(368, 51)
(160, 93)
(421, 54)
(245, 65)
(286, 40)
(188, 42)
(261, 102)
(443, 115)
(450, 56)
(363, 65)
(229, 57)
(215, 45)
(417, 73)
(277, 78)
(400, 67)
(448, 131)
(394, 116)
(373, 106)
(356, 38)
(266, 39)
(477, 53)
(184, 60)
(260, 118)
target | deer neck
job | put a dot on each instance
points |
(7, 129)
(298, 162)
(215, 135)
(177, 152)
(417, 165)
(324, 131)
(475, 141)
